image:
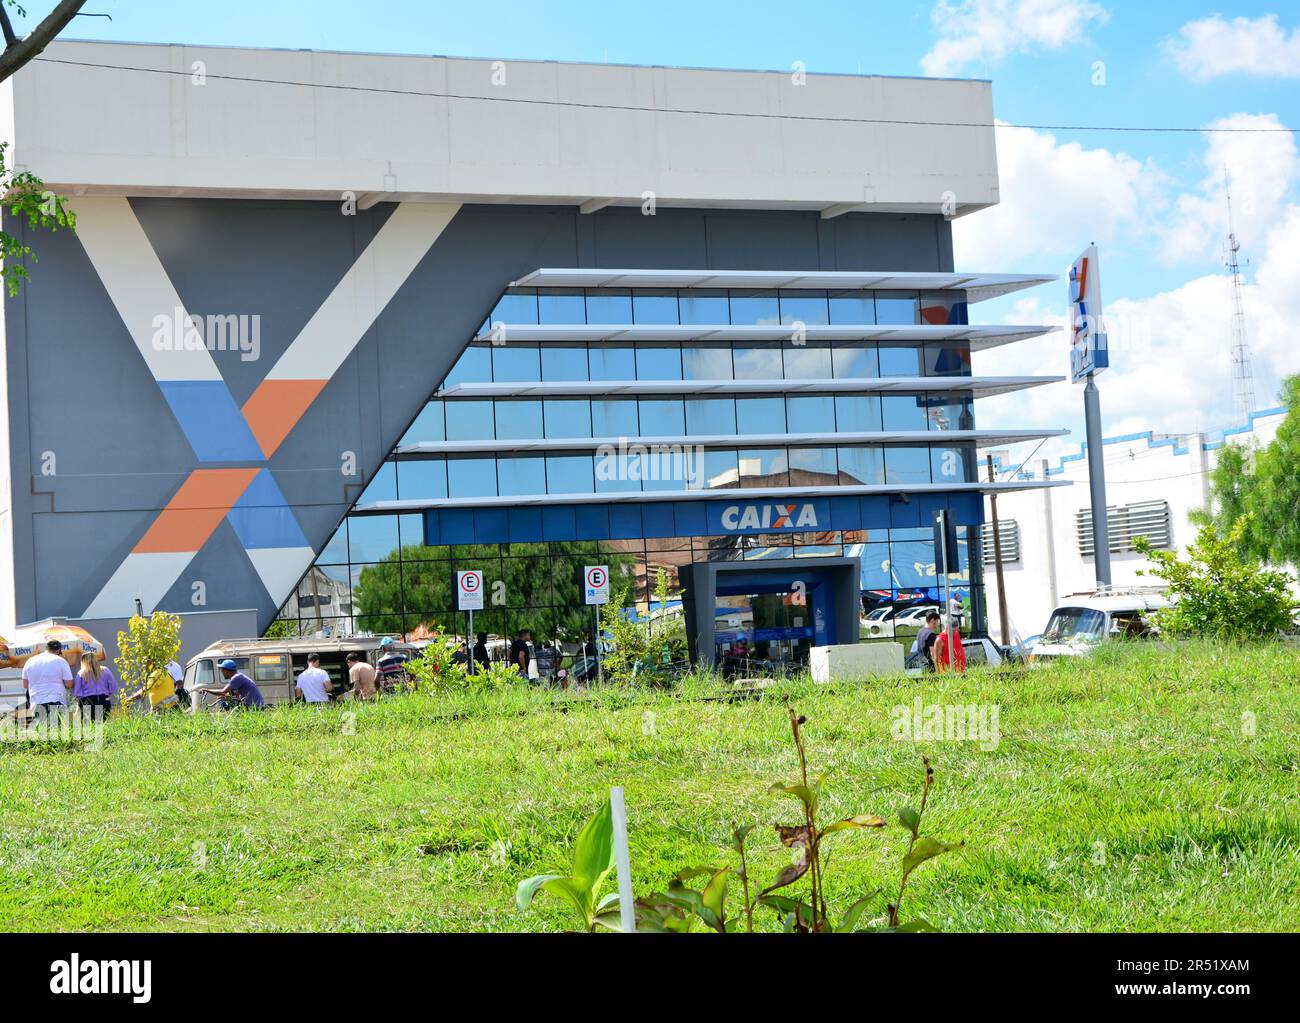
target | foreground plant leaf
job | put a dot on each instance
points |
(862, 820)
(926, 848)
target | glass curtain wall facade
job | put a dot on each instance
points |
(793, 420)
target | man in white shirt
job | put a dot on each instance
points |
(314, 685)
(47, 679)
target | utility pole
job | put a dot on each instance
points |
(997, 559)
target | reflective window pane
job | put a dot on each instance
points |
(943, 307)
(564, 362)
(428, 425)
(852, 307)
(609, 305)
(658, 362)
(760, 415)
(810, 413)
(707, 417)
(947, 360)
(421, 479)
(383, 487)
(856, 413)
(612, 362)
(907, 465)
(519, 420)
(473, 367)
(904, 412)
(662, 417)
(855, 361)
(896, 361)
(812, 467)
(806, 307)
(897, 307)
(807, 362)
(758, 362)
(371, 537)
(654, 306)
(755, 308)
(561, 306)
(721, 469)
(952, 465)
(516, 361)
(706, 362)
(470, 420)
(950, 412)
(861, 467)
(569, 474)
(336, 551)
(699, 305)
(516, 307)
(472, 477)
(517, 477)
(615, 418)
(764, 467)
(567, 417)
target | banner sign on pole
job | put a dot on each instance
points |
(1089, 352)
(595, 582)
(469, 590)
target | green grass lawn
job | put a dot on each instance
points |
(1125, 794)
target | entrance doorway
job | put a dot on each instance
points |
(770, 613)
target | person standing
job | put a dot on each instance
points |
(237, 684)
(521, 652)
(391, 666)
(47, 679)
(362, 676)
(925, 639)
(481, 658)
(944, 660)
(94, 687)
(313, 685)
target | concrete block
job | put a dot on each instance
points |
(852, 661)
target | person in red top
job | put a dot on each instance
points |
(941, 654)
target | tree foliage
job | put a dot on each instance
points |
(26, 197)
(1218, 591)
(1261, 487)
(145, 646)
(18, 52)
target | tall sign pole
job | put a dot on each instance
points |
(1089, 355)
(997, 559)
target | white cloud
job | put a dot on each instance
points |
(1049, 190)
(986, 31)
(1263, 167)
(1213, 46)
(1169, 351)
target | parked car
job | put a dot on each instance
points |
(1084, 620)
(884, 622)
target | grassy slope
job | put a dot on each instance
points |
(427, 820)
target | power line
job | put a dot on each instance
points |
(575, 104)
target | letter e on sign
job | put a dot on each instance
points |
(469, 590)
(595, 583)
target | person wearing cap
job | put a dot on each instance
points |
(237, 684)
(362, 676)
(313, 685)
(47, 677)
(391, 665)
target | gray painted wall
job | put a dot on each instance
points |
(77, 387)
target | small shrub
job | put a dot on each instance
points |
(1219, 592)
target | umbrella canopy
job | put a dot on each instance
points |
(31, 641)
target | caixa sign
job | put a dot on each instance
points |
(769, 517)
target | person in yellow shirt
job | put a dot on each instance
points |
(161, 691)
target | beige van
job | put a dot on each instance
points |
(274, 663)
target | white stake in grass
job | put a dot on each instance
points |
(622, 859)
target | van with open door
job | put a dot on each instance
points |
(273, 664)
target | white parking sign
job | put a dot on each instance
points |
(469, 590)
(596, 583)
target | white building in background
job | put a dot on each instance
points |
(1153, 483)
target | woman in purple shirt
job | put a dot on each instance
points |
(94, 687)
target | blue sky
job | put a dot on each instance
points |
(1147, 198)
